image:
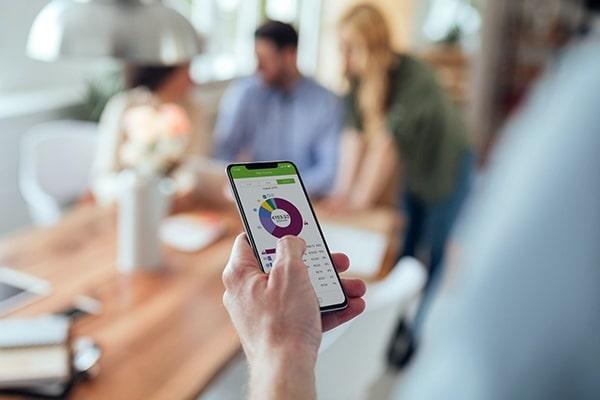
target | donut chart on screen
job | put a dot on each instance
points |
(289, 219)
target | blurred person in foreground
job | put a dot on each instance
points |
(516, 317)
(279, 114)
(152, 90)
(402, 134)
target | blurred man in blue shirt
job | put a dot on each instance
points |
(279, 114)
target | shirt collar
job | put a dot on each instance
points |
(286, 93)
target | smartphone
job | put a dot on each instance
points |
(273, 203)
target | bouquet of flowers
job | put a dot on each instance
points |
(155, 138)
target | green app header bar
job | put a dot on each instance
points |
(284, 168)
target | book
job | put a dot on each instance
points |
(34, 351)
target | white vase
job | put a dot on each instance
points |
(143, 203)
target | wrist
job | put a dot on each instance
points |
(282, 372)
(272, 352)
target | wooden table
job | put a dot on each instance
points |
(164, 335)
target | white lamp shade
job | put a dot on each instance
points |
(135, 31)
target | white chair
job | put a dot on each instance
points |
(353, 356)
(55, 166)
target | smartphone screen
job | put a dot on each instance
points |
(273, 204)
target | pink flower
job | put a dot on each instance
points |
(155, 137)
(176, 119)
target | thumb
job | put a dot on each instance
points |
(288, 256)
(290, 248)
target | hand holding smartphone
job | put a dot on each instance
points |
(273, 203)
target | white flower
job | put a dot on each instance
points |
(155, 139)
(132, 153)
(140, 124)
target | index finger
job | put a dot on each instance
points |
(340, 261)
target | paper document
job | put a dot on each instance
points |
(365, 248)
(191, 233)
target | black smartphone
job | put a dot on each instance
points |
(273, 203)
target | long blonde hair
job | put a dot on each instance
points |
(369, 28)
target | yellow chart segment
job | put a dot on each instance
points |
(267, 206)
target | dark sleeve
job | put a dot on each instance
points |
(352, 118)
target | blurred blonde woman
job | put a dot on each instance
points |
(402, 134)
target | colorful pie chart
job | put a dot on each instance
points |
(280, 218)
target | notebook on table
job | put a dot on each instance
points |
(34, 351)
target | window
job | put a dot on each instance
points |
(227, 28)
(451, 17)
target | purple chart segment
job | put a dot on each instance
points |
(279, 217)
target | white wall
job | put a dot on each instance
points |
(17, 71)
(30, 92)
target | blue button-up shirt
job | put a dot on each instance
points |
(261, 123)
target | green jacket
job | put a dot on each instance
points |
(429, 132)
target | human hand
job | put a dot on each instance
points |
(280, 311)
(184, 202)
(87, 198)
(335, 204)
